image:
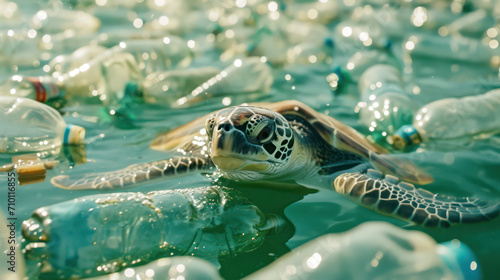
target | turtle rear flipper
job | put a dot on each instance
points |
(403, 201)
(134, 174)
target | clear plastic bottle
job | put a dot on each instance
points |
(311, 52)
(384, 106)
(61, 20)
(452, 118)
(452, 48)
(358, 63)
(30, 126)
(324, 11)
(168, 268)
(18, 50)
(111, 231)
(165, 87)
(43, 89)
(247, 75)
(375, 250)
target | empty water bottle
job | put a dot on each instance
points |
(384, 105)
(43, 89)
(375, 250)
(168, 268)
(357, 64)
(453, 48)
(30, 126)
(248, 75)
(452, 118)
(104, 233)
(165, 87)
(62, 20)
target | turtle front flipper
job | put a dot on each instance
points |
(402, 200)
(134, 174)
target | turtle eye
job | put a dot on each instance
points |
(260, 129)
(209, 125)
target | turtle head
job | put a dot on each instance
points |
(250, 143)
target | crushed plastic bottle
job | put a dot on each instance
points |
(375, 250)
(30, 126)
(105, 233)
(248, 75)
(452, 118)
(384, 106)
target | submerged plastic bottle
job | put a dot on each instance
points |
(104, 233)
(384, 105)
(247, 75)
(452, 118)
(30, 126)
(375, 250)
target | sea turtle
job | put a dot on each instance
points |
(288, 140)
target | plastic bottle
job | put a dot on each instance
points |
(384, 105)
(168, 268)
(452, 118)
(452, 48)
(323, 11)
(61, 20)
(18, 50)
(30, 126)
(104, 233)
(165, 87)
(375, 250)
(247, 75)
(159, 54)
(358, 63)
(310, 52)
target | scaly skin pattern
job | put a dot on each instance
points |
(240, 140)
(390, 197)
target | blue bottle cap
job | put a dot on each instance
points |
(405, 136)
(329, 42)
(457, 255)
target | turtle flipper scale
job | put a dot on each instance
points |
(402, 200)
(134, 174)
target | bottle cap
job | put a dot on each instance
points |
(329, 42)
(132, 89)
(459, 257)
(405, 136)
(73, 134)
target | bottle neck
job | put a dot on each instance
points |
(46, 89)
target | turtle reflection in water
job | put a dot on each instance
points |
(104, 233)
(290, 141)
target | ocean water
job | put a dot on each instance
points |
(314, 209)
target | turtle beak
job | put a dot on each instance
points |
(230, 150)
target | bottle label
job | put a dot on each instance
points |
(44, 90)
